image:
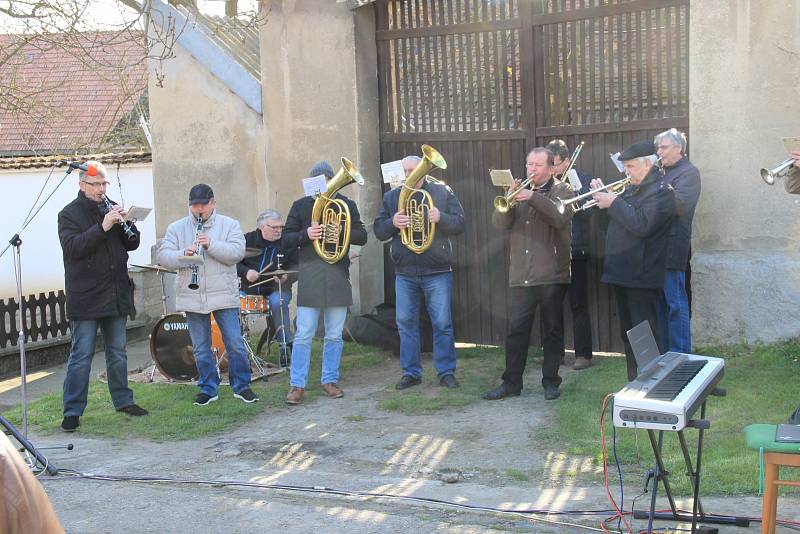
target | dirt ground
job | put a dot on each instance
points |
(344, 444)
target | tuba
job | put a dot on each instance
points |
(334, 215)
(417, 203)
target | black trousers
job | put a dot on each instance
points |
(579, 303)
(523, 302)
(635, 305)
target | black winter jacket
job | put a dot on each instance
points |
(439, 257)
(95, 262)
(581, 222)
(638, 230)
(320, 284)
(270, 251)
(685, 180)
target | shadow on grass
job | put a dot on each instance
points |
(172, 414)
(479, 369)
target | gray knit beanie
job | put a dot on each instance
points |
(321, 167)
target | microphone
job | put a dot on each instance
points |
(90, 170)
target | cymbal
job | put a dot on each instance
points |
(156, 268)
(249, 252)
(278, 272)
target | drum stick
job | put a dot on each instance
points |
(267, 266)
(263, 281)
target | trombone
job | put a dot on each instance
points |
(779, 171)
(615, 188)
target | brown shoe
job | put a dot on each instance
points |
(581, 363)
(295, 396)
(333, 390)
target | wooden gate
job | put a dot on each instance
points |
(484, 81)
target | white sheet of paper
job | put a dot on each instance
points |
(574, 180)
(502, 177)
(617, 163)
(314, 185)
(393, 172)
(135, 213)
(791, 144)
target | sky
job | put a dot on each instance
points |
(105, 14)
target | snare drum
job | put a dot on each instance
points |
(253, 304)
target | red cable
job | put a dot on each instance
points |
(620, 514)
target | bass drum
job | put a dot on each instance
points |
(171, 348)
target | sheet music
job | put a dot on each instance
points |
(617, 163)
(135, 213)
(791, 144)
(393, 172)
(502, 177)
(315, 185)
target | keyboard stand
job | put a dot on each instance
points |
(660, 474)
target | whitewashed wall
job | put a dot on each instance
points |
(42, 265)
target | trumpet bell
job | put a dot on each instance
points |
(770, 176)
(502, 204)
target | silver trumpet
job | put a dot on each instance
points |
(779, 171)
(616, 187)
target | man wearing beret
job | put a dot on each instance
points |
(636, 242)
(219, 241)
(322, 288)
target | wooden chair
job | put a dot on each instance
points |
(774, 456)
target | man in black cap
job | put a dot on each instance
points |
(636, 241)
(95, 250)
(219, 241)
(321, 288)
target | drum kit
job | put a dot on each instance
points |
(171, 344)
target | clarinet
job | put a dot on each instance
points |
(126, 226)
(193, 283)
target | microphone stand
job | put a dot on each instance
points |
(283, 359)
(33, 456)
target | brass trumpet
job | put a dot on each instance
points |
(504, 203)
(615, 187)
(779, 171)
(419, 236)
(334, 215)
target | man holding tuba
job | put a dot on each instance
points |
(538, 274)
(323, 283)
(427, 273)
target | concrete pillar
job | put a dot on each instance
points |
(744, 96)
(320, 101)
(203, 132)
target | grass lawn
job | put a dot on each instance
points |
(173, 416)
(762, 387)
(478, 370)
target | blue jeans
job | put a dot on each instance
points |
(307, 319)
(238, 364)
(673, 313)
(79, 365)
(436, 289)
(285, 327)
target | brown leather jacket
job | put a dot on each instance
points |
(792, 181)
(24, 506)
(540, 237)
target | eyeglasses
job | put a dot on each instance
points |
(280, 227)
(665, 147)
(96, 184)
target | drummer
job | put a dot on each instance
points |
(274, 257)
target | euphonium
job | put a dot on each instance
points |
(417, 203)
(334, 215)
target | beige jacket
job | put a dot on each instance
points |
(219, 283)
(24, 506)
